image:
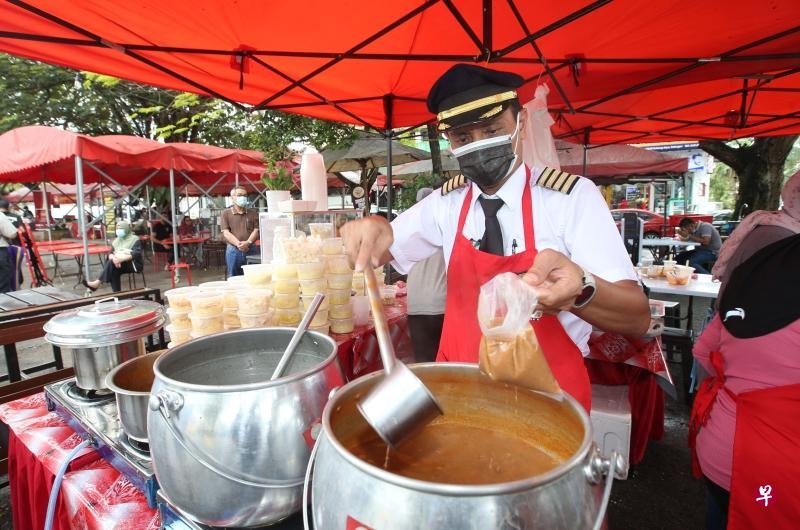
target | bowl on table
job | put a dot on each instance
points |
(679, 275)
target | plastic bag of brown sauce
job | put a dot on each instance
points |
(509, 350)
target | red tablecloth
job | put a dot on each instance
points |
(93, 494)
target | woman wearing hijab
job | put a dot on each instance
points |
(744, 430)
(125, 258)
(758, 230)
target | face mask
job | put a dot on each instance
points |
(241, 201)
(488, 161)
(121, 232)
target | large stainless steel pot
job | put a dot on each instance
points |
(349, 491)
(229, 446)
(103, 335)
(131, 382)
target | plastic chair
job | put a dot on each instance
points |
(174, 270)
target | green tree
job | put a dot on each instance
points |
(759, 164)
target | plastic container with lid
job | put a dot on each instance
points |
(254, 301)
(286, 317)
(342, 325)
(286, 286)
(178, 298)
(216, 285)
(257, 273)
(207, 324)
(340, 311)
(340, 281)
(237, 280)
(332, 245)
(311, 270)
(337, 264)
(312, 287)
(179, 319)
(339, 296)
(320, 318)
(257, 320)
(284, 271)
(230, 318)
(286, 301)
(178, 335)
(324, 328)
(207, 303)
(307, 299)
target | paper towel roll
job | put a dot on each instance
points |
(314, 179)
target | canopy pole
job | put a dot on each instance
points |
(46, 211)
(174, 227)
(388, 109)
(82, 215)
(149, 218)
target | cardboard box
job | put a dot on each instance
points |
(611, 419)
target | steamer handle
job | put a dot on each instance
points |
(610, 466)
(160, 402)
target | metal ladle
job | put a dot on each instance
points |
(298, 334)
(400, 403)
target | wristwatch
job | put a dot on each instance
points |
(589, 288)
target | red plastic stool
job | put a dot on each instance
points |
(175, 267)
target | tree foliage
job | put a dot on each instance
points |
(759, 164)
(33, 93)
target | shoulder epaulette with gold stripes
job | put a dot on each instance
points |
(454, 183)
(555, 179)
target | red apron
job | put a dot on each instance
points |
(766, 452)
(469, 269)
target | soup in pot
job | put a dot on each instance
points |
(490, 433)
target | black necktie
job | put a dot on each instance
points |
(492, 241)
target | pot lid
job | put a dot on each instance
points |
(108, 321)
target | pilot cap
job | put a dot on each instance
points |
(467, 94)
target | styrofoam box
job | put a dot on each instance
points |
(611, 419)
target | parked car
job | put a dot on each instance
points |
(653, 223)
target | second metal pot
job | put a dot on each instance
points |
(131, 382)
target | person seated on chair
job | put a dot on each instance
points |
(186, 228)
(125, 258)
(708, 240)
(160, 231)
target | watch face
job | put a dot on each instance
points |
(358, 192)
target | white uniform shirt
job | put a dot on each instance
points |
(578, 224)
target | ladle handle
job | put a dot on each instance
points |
(381, 325)
(301, 329)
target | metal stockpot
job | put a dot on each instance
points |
(131, 382)
(103, 335)
(346, 489)
(229, 446)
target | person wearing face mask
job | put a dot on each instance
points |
(126, 257)
(240, 230)
(498, 216)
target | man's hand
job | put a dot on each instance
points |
(557, 280)
(367, 241)
(243, 246)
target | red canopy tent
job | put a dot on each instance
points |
(625, 71)
(49, 154)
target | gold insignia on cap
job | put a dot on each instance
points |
(491, 112)
(555, 179)
(454, 183)
(476, 104)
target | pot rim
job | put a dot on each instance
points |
(462, 490)
(246, 387)
(113, 372)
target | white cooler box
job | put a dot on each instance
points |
(611, 419)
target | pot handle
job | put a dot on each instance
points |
(615, 466)
(308, 512)
(166, 400)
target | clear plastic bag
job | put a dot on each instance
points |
(509, 350)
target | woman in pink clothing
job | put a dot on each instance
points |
(752, 344)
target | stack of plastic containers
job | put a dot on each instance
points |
(230, 313)
(254, 309)
(206, 315)
(286, 286)
(179, 327)
(311, 275)
(340, 283)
